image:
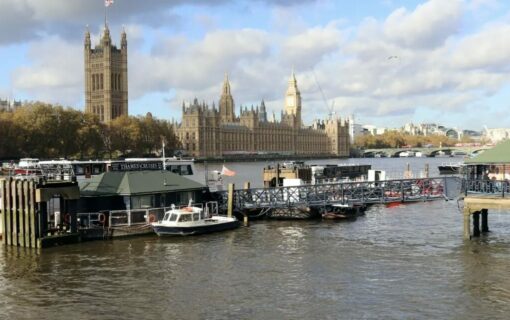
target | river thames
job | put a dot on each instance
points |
(404, 262)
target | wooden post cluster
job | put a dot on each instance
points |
(477, 231)
(19, 216)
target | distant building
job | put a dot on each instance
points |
(373, 130)
(496, 135)
(355, 129)
(6, 105)
(106, 77)
(209, 132)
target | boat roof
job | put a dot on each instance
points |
(500, 154)
(136, 183)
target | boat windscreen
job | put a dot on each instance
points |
(185, 217)
(173, 217)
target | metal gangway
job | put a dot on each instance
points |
(348, 193)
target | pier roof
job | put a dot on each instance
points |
(136, 183)
(500, 154)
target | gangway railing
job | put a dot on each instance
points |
(496, 188)
(347, 193)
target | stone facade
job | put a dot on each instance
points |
(210, 132)
(106, 77)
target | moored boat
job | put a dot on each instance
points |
(192, 220)
(450, 168)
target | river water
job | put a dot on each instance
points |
(405, 262)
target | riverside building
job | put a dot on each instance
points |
(210, 132)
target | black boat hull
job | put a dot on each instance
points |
(187, 231)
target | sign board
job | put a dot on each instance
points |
(136, 166)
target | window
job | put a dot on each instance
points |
(166, 216)
(142, 202)
(185, 218)
(196, 216)
(101, 81)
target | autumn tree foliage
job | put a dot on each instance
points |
(396, 139)
(45, 131)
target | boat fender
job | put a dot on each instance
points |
(102, 218)
(152, 218)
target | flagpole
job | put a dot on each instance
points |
(105, 14)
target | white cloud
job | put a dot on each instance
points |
(428, 26)
(487, 49)
(56, 72)
(307, 48)
(437, 69)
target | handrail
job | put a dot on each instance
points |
(492, 187)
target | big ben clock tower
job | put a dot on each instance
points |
(293, 100)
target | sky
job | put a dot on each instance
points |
(387, 62)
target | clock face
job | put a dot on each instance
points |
(290, 101)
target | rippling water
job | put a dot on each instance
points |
(406, 262)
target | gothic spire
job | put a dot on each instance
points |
(226, 85)
(87, 36)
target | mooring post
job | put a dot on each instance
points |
(467, 224)
(485, 220)
(245, 216)
(14, 212)
(230, 201)
(4, 208)
(34, 226)
(277, 174)
(476, 224)
(426, 170)
(43, 220)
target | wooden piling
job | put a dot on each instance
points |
(247, 185)
(26, 213)
(32, 213)
(426, 170)
(230, 203)
(14, 213)
(476, 224)
(3, 206)
(20, 240)
(467, 224)
(485, 220)
(8, 210)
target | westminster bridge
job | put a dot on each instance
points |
(426, 152)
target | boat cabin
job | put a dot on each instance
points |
(186, 214)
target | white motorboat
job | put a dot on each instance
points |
(192, 220)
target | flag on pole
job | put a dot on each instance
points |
(108, 3)
(227, 172)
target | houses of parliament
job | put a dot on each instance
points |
(217, 132)
(106, 81)
(210, 132)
